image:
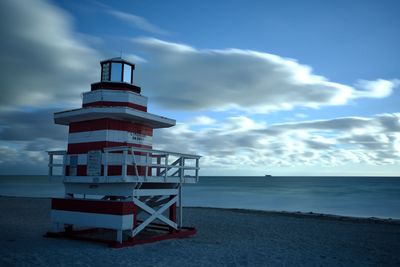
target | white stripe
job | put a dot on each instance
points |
(109, 221)
(113, 159)
(110, 136)
(114, 96)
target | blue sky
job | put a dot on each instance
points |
(283, 87)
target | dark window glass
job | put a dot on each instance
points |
(105, 75)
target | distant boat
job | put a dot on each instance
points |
(268, 175)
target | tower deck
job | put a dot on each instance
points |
(159, 166)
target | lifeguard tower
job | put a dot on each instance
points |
(112, 176)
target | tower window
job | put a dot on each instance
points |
(105, 74)
(127, 73)
(116, 72)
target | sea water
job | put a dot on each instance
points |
(348, 196)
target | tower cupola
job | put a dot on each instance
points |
(117, 70)
(116, 74)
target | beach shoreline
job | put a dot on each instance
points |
(234, 237)
(302, 214)
(278, 212)
(358, 197)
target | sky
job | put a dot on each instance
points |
(257, 87)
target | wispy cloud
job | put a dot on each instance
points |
(335, 142)
(234, 142)
(377, 89)
(19, 125)
(251, 81)
(43, 60)
(45, 64)
(134, 58)
(136, 21)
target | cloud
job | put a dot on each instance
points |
(346, 123)
(45, 63)
(334, 142)
(202, 120)
(43, 60)
(134, 58)
(193, 79)
(136, 21)
(30, 125)
(25, 136)
(21, 158)
(376, 89)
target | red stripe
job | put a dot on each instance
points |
(83, 235)
(109, 124)
(183, 232)
(93, 206)
(114, 104)
(82, 148)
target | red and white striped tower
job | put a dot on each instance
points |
(110, 171)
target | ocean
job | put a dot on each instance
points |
(348, 196)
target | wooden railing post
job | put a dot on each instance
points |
(197, 169)
(166, 167)
(146, 170)
(106, 164)
(158, 167)
(124, 165)
(50, 164)
(181, 168)
(64, 163)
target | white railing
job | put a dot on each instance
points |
(157, 163)
(148, 164)
(52, 165)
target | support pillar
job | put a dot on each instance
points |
(180, 224)
(119, 236)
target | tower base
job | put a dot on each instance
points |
(117, 222)
(152, 233)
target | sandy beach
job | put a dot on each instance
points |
(224, 238)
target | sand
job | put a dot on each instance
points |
(225, 238)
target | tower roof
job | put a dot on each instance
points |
(124, 113)
(118, 60)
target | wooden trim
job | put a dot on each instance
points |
(114, 104)
(115, 86)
